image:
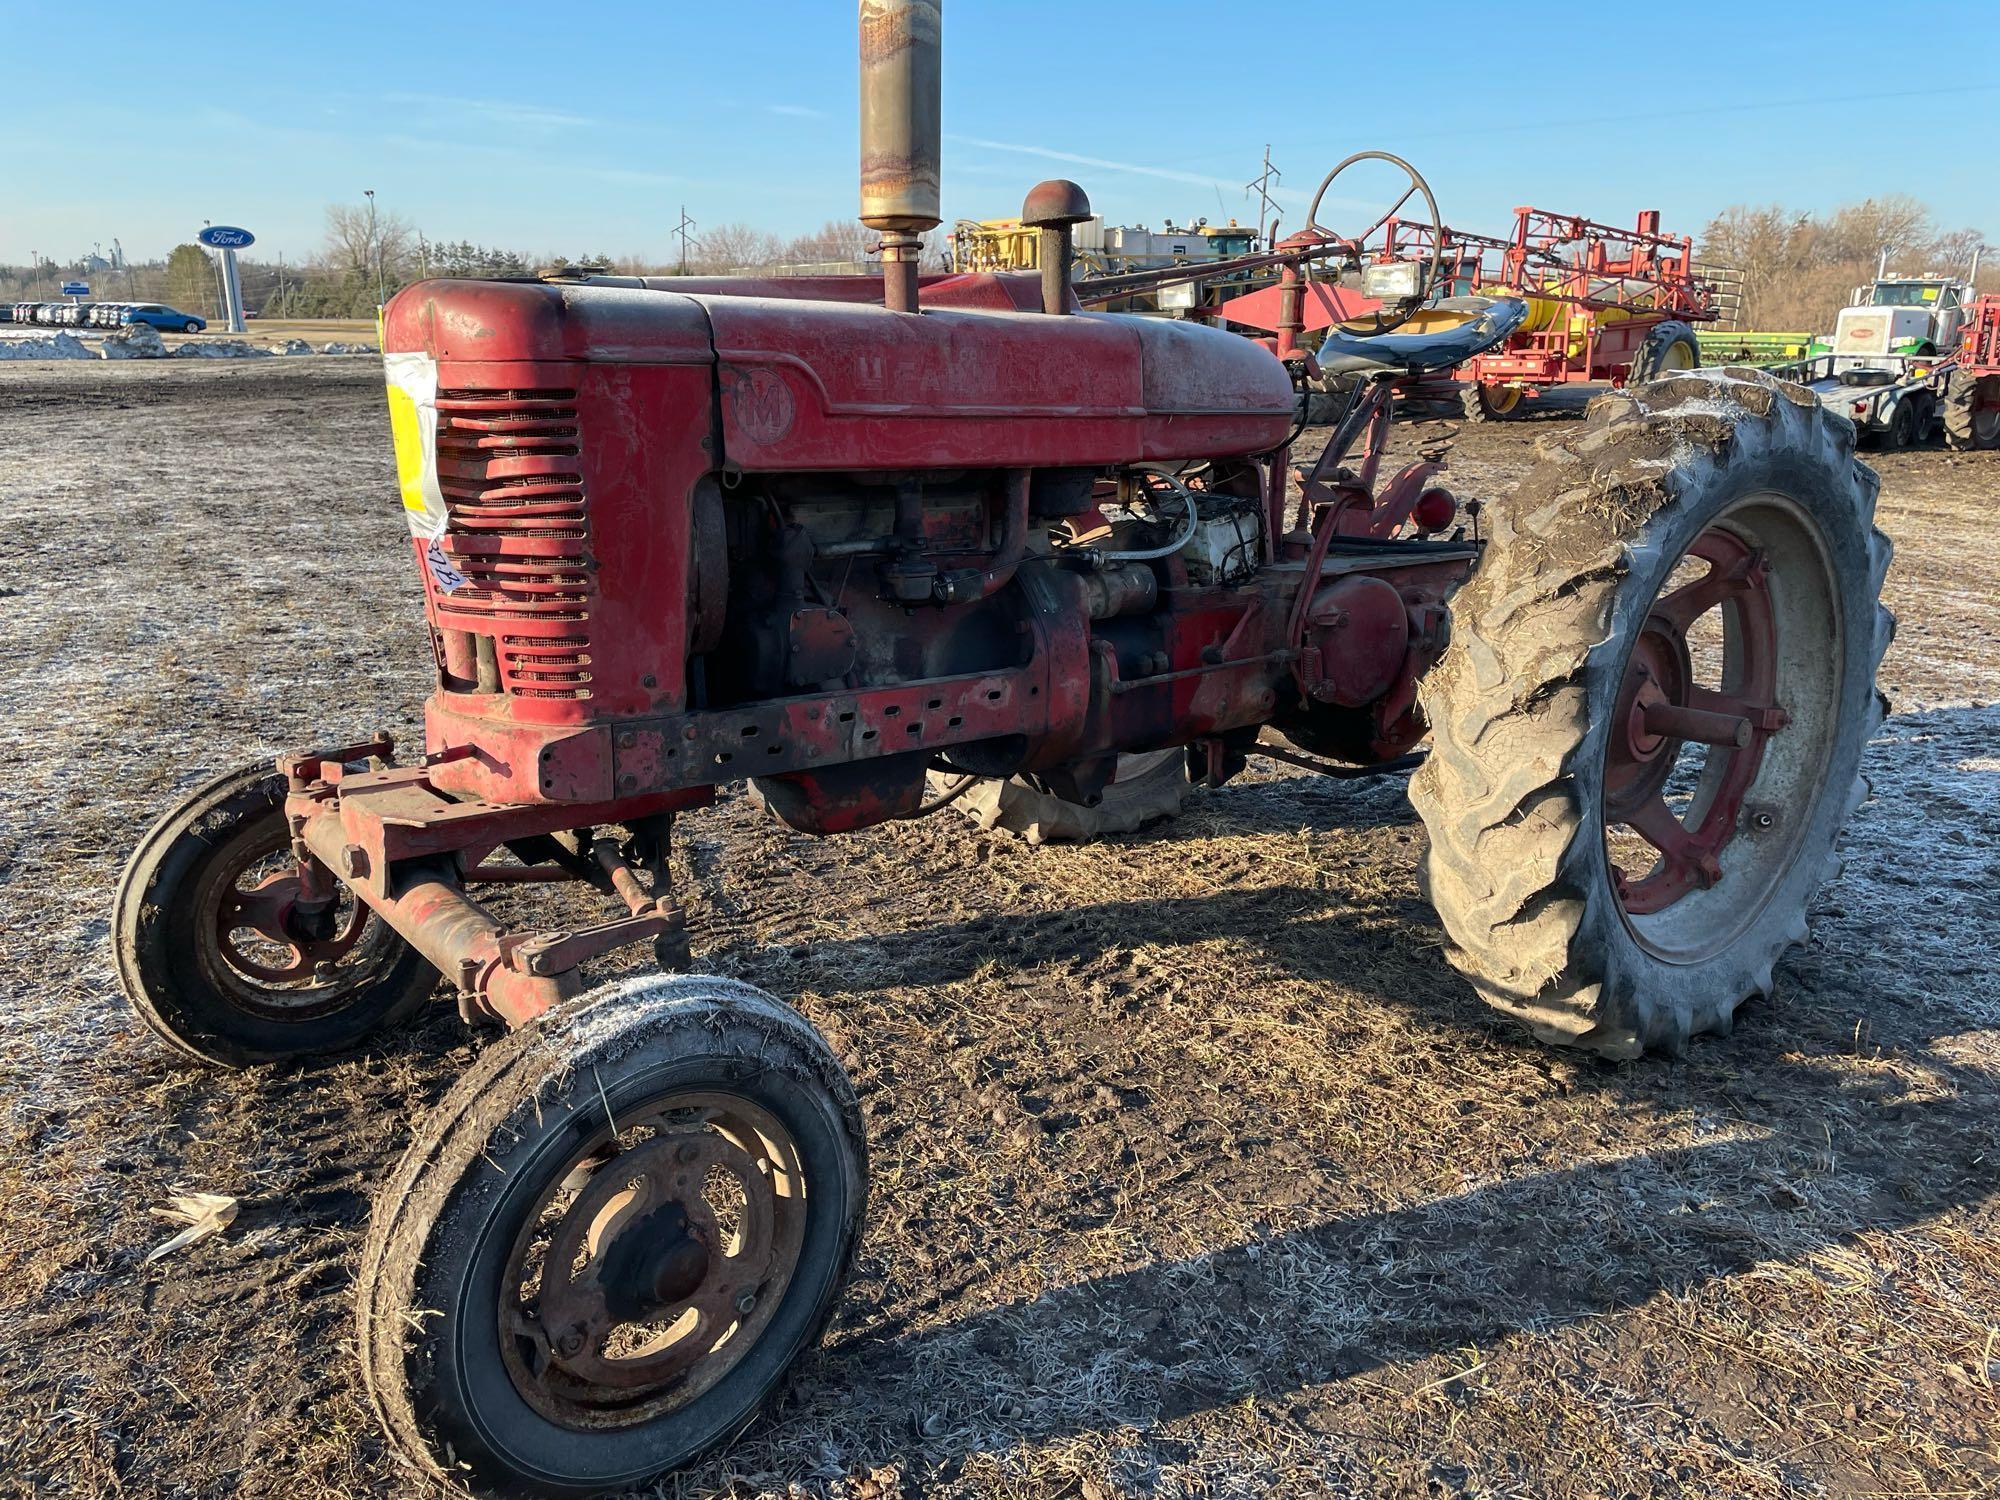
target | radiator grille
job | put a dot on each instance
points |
(519, 530)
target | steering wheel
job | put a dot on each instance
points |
(1417, 185)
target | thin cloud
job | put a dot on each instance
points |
(636, 178)
(797, 111)
(1169, 174)
(526, 116)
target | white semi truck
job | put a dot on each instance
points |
(1881, 366)
(1902, 315)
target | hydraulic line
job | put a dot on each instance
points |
(1186, 497)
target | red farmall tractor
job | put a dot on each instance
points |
(834, 535)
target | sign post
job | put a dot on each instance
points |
(225, 241)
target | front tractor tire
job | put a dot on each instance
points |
(214, 957)
(608, 1244)
(1649, 724)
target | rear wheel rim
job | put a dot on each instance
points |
(1716, 748)
(679, 1235)
(1501, 399)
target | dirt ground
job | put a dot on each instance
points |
(1196, 1170)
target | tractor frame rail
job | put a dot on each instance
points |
(409, 851)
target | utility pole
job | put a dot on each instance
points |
(215, 263)
(681, 229)
(375, 246)
(1261, 185)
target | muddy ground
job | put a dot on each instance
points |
(1196, 1170)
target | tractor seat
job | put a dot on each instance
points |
(1488, 320)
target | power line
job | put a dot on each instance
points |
(680, 230)
(1261, 186)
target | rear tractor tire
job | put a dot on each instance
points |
(607, 1246)
(1148, 787)
(1648, 727)
(212, 952)
(1972, 411)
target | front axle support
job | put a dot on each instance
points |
(407, 851)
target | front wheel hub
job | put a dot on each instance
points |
(650, 1270)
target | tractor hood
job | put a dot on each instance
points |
(835, 382)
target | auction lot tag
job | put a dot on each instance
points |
(413, 387)
(446, 576)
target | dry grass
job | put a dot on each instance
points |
(1196, 1172)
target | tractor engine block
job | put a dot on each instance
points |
(675, 533)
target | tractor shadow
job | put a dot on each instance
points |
(1306, 1307)
(1322, 935)
(1929, 770)
(1845, 1107)
(1289, 801)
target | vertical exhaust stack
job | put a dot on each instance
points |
(1054, 209)
(901, 140)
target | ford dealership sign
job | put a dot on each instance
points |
(222, 237)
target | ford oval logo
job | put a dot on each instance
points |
(222, 237)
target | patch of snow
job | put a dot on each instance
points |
(62, 346)
(220, 349)
(137, 341)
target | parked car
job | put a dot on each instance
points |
(167, 319)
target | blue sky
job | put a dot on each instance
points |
(498, 124)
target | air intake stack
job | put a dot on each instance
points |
(901, 140)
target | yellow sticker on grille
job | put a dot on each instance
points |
(413, 384)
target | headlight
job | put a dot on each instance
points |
(1393, 281)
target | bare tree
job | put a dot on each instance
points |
(361, 242)
(732, 247)
(1897, 223)
(837, 239)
